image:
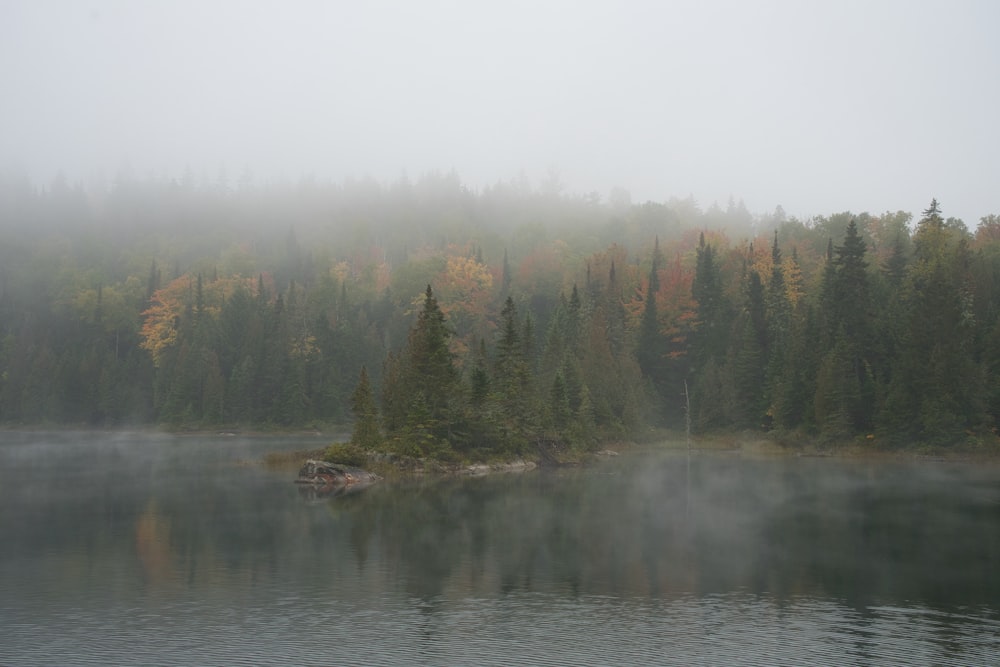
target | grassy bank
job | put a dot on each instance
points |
(755, 443)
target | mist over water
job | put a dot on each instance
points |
(157, 549)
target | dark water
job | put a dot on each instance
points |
(160, 550)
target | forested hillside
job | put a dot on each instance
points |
(454, 320)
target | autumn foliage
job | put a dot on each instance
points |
(550, 320)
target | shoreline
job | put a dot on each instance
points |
(390, 466)
(734, 443)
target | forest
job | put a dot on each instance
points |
(446, 322)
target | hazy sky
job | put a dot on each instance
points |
(817, 106)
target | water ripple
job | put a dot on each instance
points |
(527, 629)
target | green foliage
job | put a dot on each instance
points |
(938, 389)
(651, 345)
(185, 307)
(346, 453)
(366, 434)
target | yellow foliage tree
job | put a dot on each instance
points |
(168, 305)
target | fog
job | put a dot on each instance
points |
(817, 107)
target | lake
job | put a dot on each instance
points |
(145, 550)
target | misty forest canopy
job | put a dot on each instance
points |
(446, 322)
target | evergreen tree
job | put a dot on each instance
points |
(748, 354)
(528, 343)
(559, 408)
(712, 315)
(428, 377)
(746, 365)
(837, 392)
(366, 430)
(480, 378)
(614, 312)
(895, 266)
(851, 292)
(650, 344)
(505, 278)
(712, 392)
(792, 400)
(574, 316)
(937, 389)
(511, 378)
(827, 298)
(153, 282)
(394, 397)
(779, 327)
(853, 342)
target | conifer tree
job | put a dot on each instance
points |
(511, 376)
(505, 278)
(394, 403)
(480, 379)
(779, 325)
(428, 377)
(849, 359)
(827, 298)
(712, 316)
(649, 349)
(851, 292)
(365, 433)
(937, 389)
(559, 402)
(748, 353)
(712, 389)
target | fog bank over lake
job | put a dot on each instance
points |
(133, 549)
(816, 107)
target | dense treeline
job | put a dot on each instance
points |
(450, 322)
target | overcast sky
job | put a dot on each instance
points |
(818, 106)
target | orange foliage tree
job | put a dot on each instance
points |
(169, 306)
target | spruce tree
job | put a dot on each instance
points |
(712, 313)
(366, 430)
(429, 377)
(779, 326)
(511, 378)
(420, 386)
(937, 389)
(480, 379)
(649, 349)
(853, 342)
(505, 278)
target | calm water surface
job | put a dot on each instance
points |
(122, 549)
